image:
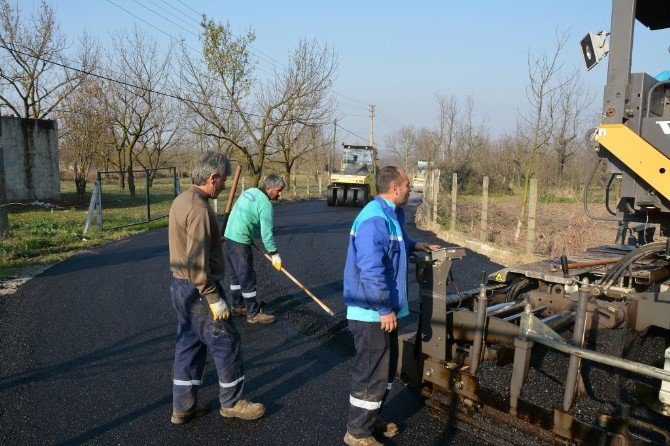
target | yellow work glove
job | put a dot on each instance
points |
(220, 310)
(276, 261)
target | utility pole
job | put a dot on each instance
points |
(332, 151)
(4, 223)
(372, 125)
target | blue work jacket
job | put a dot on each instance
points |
(375, 273)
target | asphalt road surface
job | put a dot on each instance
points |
(86, 347)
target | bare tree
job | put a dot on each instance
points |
(164, 135)
(32, 85)
(144, 73)
(208, 98)
(428, 144)
(278, 100)
(572, 104)
(294, 141)
(84, 131)
(402, 147)
(538, 125)
(447, 121)
(299, 135)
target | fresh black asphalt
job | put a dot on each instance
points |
(86, 347)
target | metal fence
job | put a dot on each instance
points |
(123, 199)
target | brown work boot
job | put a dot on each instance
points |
(386, 428)
(246, 410)
(367, 441)
(239, 311)
(262, 318)
(195, 412)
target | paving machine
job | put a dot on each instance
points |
(572, 350)
(355, 184)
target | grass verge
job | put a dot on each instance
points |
(46, 233)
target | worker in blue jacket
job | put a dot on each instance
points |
(375, 292)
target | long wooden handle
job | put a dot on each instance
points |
(593, 263)
(229, 205)
(587, 263)
(302, 287)
(233, 188)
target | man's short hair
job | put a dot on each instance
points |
(210, 162)
(388, 176)
(272, 181)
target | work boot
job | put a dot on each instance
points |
(246, 410)
(195, 412)
(262, 318)
(367, 441)
(239, 311)
(386, 428)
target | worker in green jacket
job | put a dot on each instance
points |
(251, 216)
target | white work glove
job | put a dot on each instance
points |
(220, 310)
(276, 261)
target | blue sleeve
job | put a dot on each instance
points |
(372, 245)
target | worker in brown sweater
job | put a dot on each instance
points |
(196, 262)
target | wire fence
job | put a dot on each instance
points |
(551, 224)
(122, 198)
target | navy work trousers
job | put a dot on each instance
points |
(372, 375)
(240, 265)
(196, 332)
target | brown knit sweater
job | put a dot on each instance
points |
(195, 242)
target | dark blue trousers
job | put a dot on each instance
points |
(372, 375)
(240, 266)
(196, 332)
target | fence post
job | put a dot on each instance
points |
(532, 209)
(484, 226)
(91, 207)
(99, 203)
(454, 193)
(436, 192)
(308, 185)
(428, 194)
(146, 175)
(295, 184)
(177, 183)
(319, 178)
(243, 188)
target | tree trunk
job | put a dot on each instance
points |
(131, 180)
(80, 185)
(256, 178)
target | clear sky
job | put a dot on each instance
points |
(394, 54)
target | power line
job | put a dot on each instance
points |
(181, 12)
(150, 90)
(188, 6)
(179, 40)
(367, 104)
(127, 84)
(165, 18)
(389, 117)
(351, 133)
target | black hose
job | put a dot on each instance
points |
(586, 196)
(622, 265)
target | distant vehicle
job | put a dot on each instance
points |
(355, 184)
(419, 179)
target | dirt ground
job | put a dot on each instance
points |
(560, 228)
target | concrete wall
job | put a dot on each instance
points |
(31, 158)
